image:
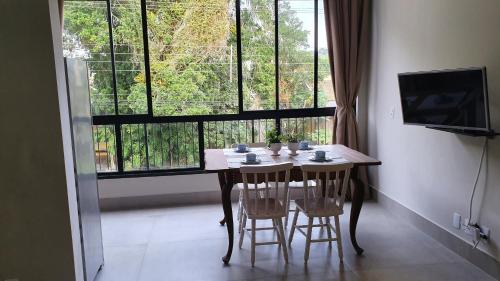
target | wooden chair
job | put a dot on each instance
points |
(327, 206)
(270, 204)
(239, 186)
(296, 185)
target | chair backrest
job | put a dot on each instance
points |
(271, 180)
(336, 179)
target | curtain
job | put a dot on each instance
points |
(346, 28)
(61, 13)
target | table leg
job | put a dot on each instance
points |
(222, 183)
(226, 186)
(358, 194)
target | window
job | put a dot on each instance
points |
(170, 78)
(192, 56)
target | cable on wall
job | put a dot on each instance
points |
(477, 179)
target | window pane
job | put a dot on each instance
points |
(173, 146)
(257, 42)
(296, 53)
(105, 148)
(316, 129)
(193, 58)
(129, 56)
(224, 134)
(86, 36)
(134, 147)
(326, 93)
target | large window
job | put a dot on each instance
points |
(170, 78)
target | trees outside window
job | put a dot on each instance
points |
(151, 61)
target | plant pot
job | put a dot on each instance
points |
(293, 147)
(275, 148)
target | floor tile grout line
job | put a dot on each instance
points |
(146, 250)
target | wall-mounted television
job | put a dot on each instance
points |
(456, 100)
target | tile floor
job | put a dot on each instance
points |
(187, 243)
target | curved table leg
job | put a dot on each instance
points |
(227, 185)
(358, 194)
(222, 183)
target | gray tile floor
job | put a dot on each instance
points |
(187, 243)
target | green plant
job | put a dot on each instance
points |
(273, 136)
(292, 137)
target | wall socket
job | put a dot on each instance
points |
(476, 231)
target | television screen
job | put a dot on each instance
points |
(446, 99)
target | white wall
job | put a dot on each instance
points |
(432, 172)
(39, 237)
(147, 186)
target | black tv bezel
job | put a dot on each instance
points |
(487, 129)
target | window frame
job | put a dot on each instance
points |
(117, 120)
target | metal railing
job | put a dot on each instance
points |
(176, 147)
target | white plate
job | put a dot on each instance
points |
(245, 162)
(326, 159)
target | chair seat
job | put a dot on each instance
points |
(300, 184)
(251, 186)
(274, 209)
(317, 208)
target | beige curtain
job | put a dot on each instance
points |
(346, 26)
(61, 13)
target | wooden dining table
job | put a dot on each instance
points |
(227, 165)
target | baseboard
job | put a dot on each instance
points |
(480, 259)
(163, 200)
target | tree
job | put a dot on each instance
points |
(193, 62)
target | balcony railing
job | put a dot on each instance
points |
(176, 147)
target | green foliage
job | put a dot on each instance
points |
(291, 137)
(193, 63)
(273, 136)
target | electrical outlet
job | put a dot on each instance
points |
(457, 218)
(485, 232)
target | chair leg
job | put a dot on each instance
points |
(294, 224)
(329, 231)
(282, 240)
(287, 209)
(277, 229)
(243, 224)
(308, 239)
(339, 238)
(253, 241)
(240, 209)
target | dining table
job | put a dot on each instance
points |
(227, 162)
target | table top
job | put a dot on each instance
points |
(224, 159)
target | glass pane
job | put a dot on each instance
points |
(318, 130)
(326, 93)
(129, 56)
(193, 58)
(105, 148)
(86, 36)
(224, 134)
(173, 146)
(134, 147)
(296, 53)
(258, 56)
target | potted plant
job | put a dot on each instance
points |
(273, 139)
(293, 142)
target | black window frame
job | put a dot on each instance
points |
(117, 120)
